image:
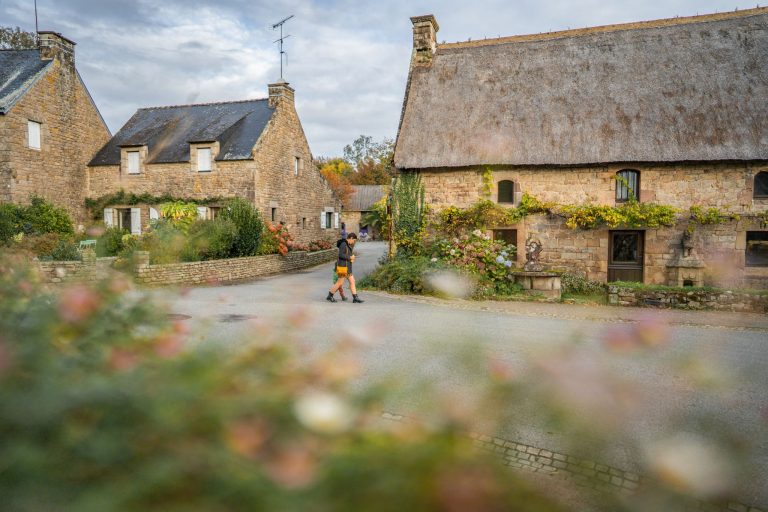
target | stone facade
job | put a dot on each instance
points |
(269, 179)
(586, 252)
(698, 299)
(90, 270)
(72, 130)
(202, 272)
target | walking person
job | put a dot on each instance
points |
(344, 268)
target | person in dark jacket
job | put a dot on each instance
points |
(346, 258)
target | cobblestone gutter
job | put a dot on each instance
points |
(697, 299)
(585, 473)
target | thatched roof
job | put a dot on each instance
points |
(686, 89)
(365, 197)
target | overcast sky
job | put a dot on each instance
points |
(347, 60)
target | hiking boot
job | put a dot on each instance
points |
(330, 298)
(356, 299)
(344, 298)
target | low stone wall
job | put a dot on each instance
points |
(695, 299)
(226, 270)
(91, 269)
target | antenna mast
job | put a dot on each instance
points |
(37, 30)
(280, 41)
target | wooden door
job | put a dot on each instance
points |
(625, 256)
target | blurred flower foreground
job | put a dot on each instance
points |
(105, 406)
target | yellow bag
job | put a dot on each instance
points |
(341, 271)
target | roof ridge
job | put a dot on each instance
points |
(204, 104)
(663, 22)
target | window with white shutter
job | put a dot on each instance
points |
(202, 212)
(108, 217)
(322, 220)
(153, 215)
(133, 162)
(34, 135)
(336, 221)
(135, 221)
(203, 159)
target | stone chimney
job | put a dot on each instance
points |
(424, 38)
(280, 92)
(53, 46)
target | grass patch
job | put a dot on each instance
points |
(662, 288)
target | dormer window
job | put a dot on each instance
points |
(627, 186)
(34, 134)
(506, 192)
(203, 159)
(133, 162)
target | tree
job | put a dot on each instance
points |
(250, 227)
(364, 148)
(340, 186)
(337, 166)
(16, 39)
(370, 172)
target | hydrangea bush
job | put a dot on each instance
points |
(477, 254)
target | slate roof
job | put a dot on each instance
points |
(168, 131)
(19, 70)
(684, 89)
(365, 197)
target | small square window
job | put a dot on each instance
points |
(34, 135)
(133, 162)
(203, 159)
(756, 254)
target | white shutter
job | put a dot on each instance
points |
(322, 220)
(135, 221)
(153, 214)
(203, 159)
(108, 217)
(202, 212)
(336, 220)
(133, 162)
(34, 135)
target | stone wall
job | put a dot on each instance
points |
(72, 132)
(269, 180)
(228, 269)
(695, 299)
(89, 270)
(585, 252)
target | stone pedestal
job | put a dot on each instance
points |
(686, 271)
(534, 283)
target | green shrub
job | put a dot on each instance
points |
(250, 227)
(404, 275)
(66, 250)
(111, 242)
(210, 240)
(41, 216)
(10, 221)
(577, 285)
(40, 246)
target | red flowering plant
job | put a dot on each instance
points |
(477, 254)
(320, 245)
(276, 240)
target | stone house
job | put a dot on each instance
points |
(254, 149)
(50, 127)
(361, 202)
(676, 107)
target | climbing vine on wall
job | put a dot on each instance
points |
(410, 213)
(95, 206)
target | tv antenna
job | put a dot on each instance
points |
(280, 41)
(37, 30)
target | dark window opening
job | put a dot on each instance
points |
(329, 220)
(506, 192)
(756, 254)
(124, 218)
(761, 186)
(505, 236)
(303, 223)
(687, 282)
(631, 178)
(274, 214)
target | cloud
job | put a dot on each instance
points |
(347, 60)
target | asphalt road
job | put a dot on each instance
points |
(732, 363)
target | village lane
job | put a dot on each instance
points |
(409, 333)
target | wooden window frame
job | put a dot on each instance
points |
(764, 174)
(620, 185)
(511, 196)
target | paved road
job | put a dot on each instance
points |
(412, 330)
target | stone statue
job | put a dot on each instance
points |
(687, 243)
(532, 250)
